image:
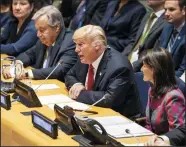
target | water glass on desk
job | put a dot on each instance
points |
(11, 67)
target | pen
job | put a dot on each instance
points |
(88, 111)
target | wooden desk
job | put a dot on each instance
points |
(17, 129)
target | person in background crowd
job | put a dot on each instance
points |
(175, 137)
(121, 22)
(149, 30)
(166, 103)
(20, 34)
(55, 43)
(5, 13)
(102, 70)
(173, 34)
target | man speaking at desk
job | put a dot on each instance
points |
(101, 70)
(55, 44)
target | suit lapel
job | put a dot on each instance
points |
(56, 47)
(109, 12)
(178, 39)
(83, 72)
(101, 68)
(157, 24)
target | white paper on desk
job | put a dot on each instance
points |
(46, 86)
(134, 144)
(112, 120)
(116, 126)
(118, 131)
(54, 99)
(74, 105)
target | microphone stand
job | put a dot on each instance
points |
(60, 62)
(128, 132)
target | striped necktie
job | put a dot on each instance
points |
(172, 40)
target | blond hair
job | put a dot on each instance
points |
(91, 33)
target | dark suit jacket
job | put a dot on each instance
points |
(121, 30)
(62, 50)
(178, 50)
(177, 136)
(13, 43)
(114, 77)
(95, 11)
(150, 41)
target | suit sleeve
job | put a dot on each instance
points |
(175, 110)
(134, 25)
(70, 78)
(117, 82)
(181, 69)
(177, 136)
(69, 59)
(29, 57)
(27, 40)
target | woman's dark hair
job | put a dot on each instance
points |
(161, 63)
(5, 2)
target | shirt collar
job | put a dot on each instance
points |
(159, 13)
(95, 64)
(180, 27)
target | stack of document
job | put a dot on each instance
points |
(115, 126)
(74, 105)
(45, 86)
(54, 99)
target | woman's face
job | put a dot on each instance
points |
(147, 73)
(21, 8)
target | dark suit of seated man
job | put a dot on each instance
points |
(55, 44)
(175, 137)
(173, 34)
(101, 70)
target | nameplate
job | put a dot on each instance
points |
(44, 124)
(5, 100)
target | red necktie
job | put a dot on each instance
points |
(90, 82)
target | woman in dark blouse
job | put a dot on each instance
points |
(166, 103)
(20, 33)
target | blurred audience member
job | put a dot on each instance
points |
(166, 103)
(173, 34)
(147, 34)
(5, 12)
(20, 34)
(121, 22)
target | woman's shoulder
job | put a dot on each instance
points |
(174, 93)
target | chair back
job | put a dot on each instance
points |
(181, 86)
(143, 88)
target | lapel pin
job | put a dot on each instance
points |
(179, 37)
(100, 73)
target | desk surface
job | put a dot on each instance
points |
(17, 129)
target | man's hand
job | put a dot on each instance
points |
(156, 141)
(75, 90)
(6, 72)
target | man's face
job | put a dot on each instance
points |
(85, 51)
(155, 3)
(173, 13)
(45, 32)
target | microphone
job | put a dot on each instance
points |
(128, 132)
(104, 97)
(59, 63)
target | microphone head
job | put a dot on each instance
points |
(127, 131)
(60, 61)
(106, 96)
